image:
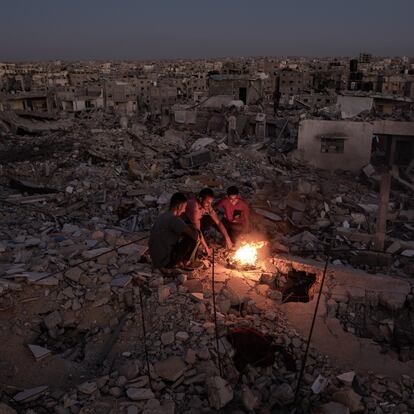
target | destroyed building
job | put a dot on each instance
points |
(89, 326)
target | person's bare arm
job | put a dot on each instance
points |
(222, 229)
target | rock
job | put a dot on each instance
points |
(281, 395)
(349, 398)
(170, 369)
(89, 254)
(132, 410)
(87, 387)
(115, 391)
(163, 293)
(52, 320)
(182, 336)
(219, 392)
(129, 369)
(39, 352)
(394, 247)
(167, 338)
(139, 394)
(74, 274)
(198, 297)
(250, 401)
(331, 408)
(347, 378)
(30, 394)
(190, 356)
(6, 409)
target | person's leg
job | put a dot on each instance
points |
(234, 230)
(185, 250)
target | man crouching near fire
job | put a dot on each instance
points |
(173, 243)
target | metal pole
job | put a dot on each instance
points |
(141, 303)
(215, 314)
(305, 357)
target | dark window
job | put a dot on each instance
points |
(332, 145)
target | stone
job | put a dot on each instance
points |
(122, 281)
(347, 378)
(163, 293)
(115, 391)
(31, 393)
(394, 248)
(190, 356)
(129, 369)
(281, 395)
(170, 369)
(39, 352)
(198, 297)
(250, 401)
(89, 254)
(193, 285)
(52, 320)
(167, 338)
(219, 392)
(349, 398)
(87, 387)
(74, 274)
(182, 336)
(139, 394)
(132, 410)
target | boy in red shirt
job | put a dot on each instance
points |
(236, 218)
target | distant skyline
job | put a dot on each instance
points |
(174, 29)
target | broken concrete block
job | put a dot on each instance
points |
(89, 254)
(195, 159)
(88, 387)
(349, 398)
(52, 320)
(369, 170)
(394, 248)
(163, 293)
(250, 401)
(39, 352)
(198, 297)
(182, 336)
(347, 378)
(30, 394)
(267, 214)
(219, 392)
(74, 274)
(139, 394)
(170, 369)
(281, 395)
(121, 281)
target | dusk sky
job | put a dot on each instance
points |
(157, 29)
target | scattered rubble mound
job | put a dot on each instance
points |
(87, 326)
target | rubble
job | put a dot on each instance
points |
(74, 261)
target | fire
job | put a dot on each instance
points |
(247, 253)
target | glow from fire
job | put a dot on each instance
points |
(246, 254)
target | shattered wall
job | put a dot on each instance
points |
(354, 153)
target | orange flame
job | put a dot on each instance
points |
(247, 253)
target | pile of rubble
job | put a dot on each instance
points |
(89, 327)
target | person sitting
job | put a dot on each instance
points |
(173, 243)
(201, 214)
(236, 218)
